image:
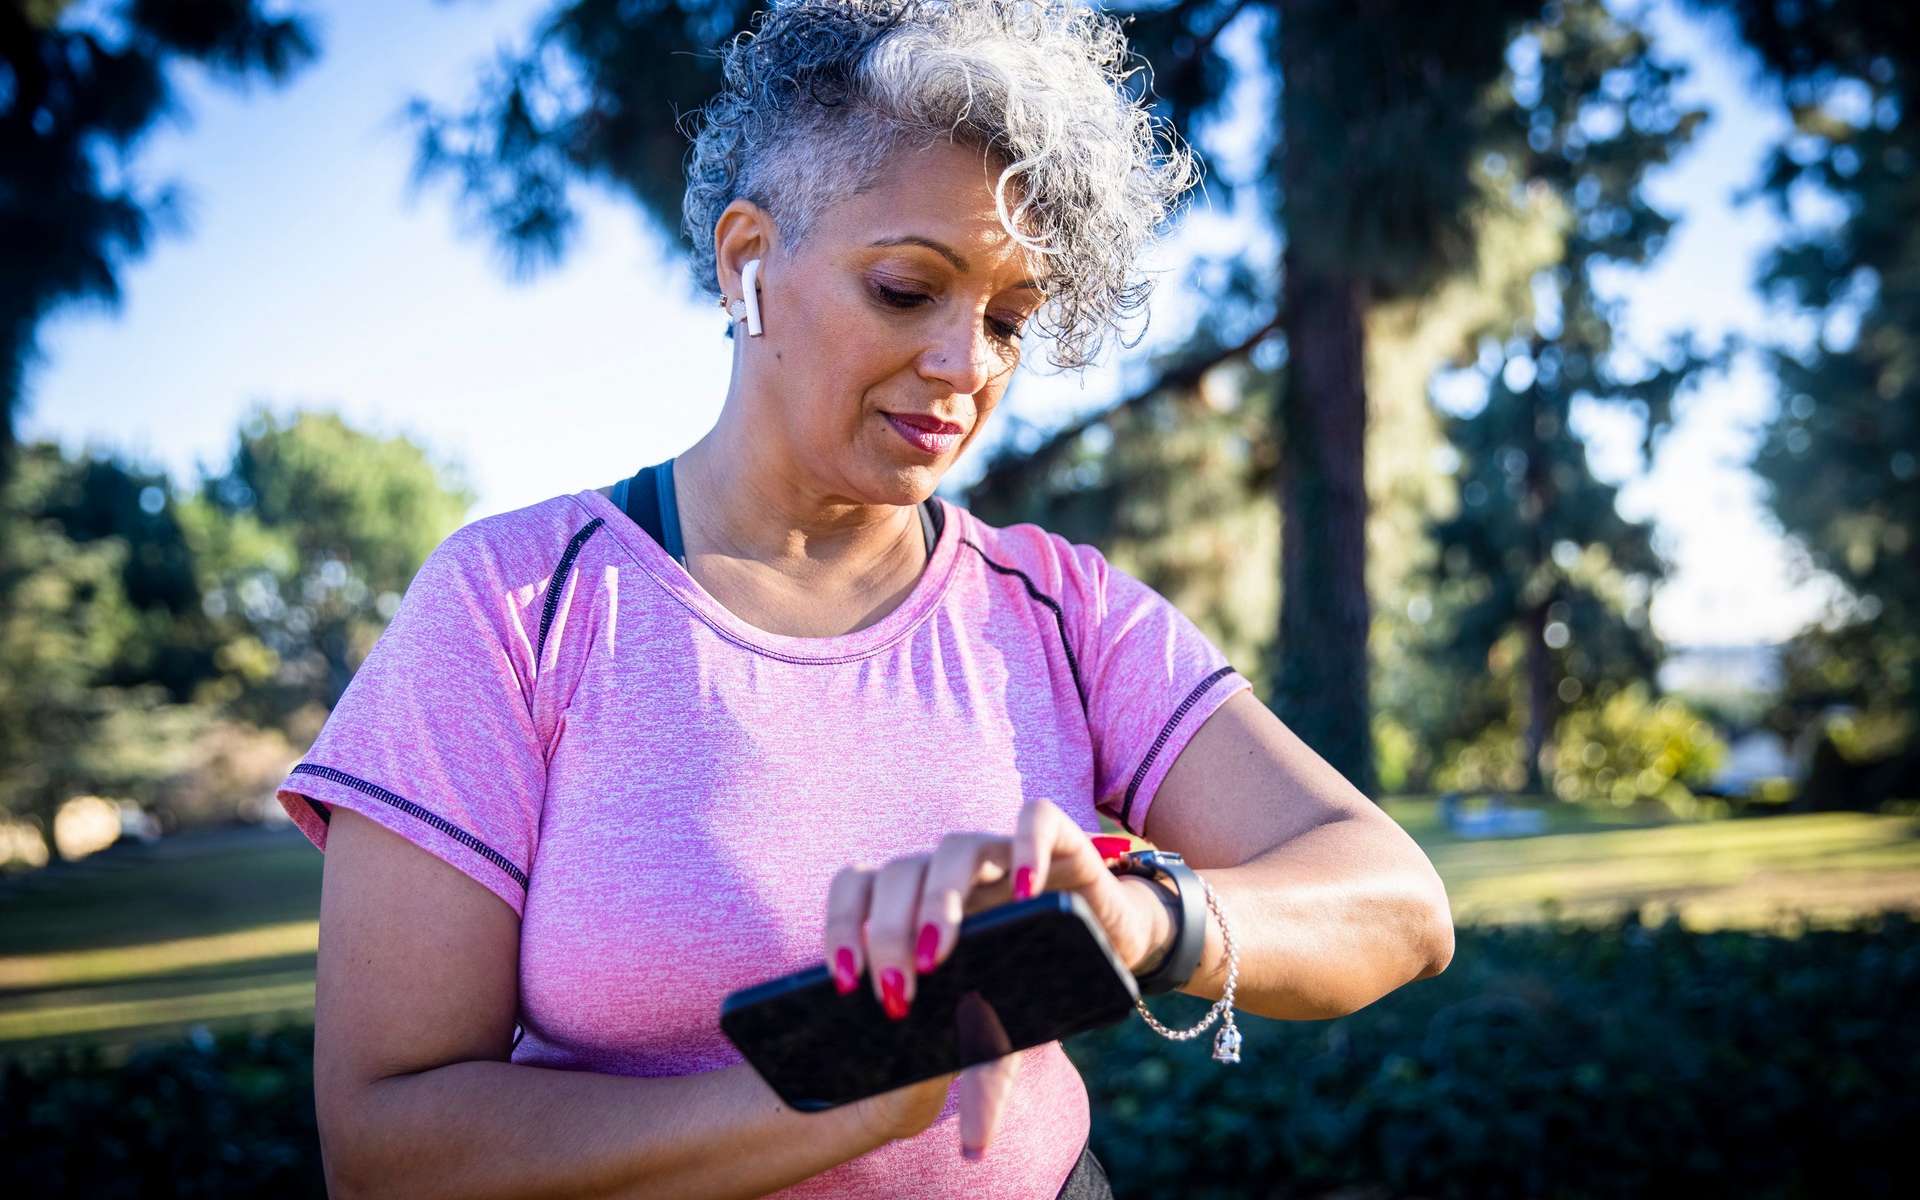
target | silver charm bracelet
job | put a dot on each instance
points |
(1226, 1044)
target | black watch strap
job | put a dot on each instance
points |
(1182, 958)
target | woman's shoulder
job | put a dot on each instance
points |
(1047, 558)
(521, 576)
(537, 540)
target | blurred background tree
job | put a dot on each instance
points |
(84, 85)
(93, 586)
(175, 649)
(1533, 566)
(1381, 122)
(1841, 455)
(305, 543)
(63, 631)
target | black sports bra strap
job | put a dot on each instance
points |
(669, 511)
(639, 497)
(649, 500)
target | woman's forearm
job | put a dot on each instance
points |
(495, 1129)
(1327, 923)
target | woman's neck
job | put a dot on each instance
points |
(739, 502)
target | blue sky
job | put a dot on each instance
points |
(310, 275)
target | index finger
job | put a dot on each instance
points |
(1035, 837)
(847, 898)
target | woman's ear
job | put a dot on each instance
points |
(743, 232)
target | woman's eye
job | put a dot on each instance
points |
(897, 298)
(1006, 331)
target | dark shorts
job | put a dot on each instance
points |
(1087, 1180)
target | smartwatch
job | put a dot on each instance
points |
(1182, 958)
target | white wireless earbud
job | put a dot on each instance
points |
(749, 283)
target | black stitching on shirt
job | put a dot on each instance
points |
(1059, 617)
(559, 575)
(414, 810)
(1166, 731)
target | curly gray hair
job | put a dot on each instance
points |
(823, 92)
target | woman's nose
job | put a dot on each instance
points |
(962, 357)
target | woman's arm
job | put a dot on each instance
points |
(1333, 905)
(481, 1129)
(415, 998)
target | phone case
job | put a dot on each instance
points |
(1021, 974)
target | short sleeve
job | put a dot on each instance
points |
(434, 737)
(1151, 677)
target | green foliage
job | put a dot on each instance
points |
(1558, 1063)
(1629, 748)
(1841, 455)
(226, 1116)
(303, 547)
(1491, 761)
(101, 496)
(1418, 695)
(84, 83)
(1619, 748)
(1383, 118)
(64, 620)
(1857, 663)
(1535, 572)
(593, 95)
(144, 635)
(1862, 759)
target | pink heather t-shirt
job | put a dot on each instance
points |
(661, 791)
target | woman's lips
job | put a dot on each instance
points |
(923, 436)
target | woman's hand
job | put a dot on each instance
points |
(901, 920)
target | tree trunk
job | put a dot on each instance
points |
(41, 814)
(1321, 681)
(1539, 697)
(1539, 666)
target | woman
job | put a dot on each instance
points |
(822, 714)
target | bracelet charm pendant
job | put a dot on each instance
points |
(1226, 1043)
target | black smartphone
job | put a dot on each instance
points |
(1021, 974)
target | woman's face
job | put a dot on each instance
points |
(910, 300)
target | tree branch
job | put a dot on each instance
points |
(1004, 473)
(1190, 61)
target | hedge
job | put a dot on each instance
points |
(1548, 1063)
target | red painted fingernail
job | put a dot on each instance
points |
(893, 992)
(1023, 883)
(845, 979)
(928, 947)
(1108, 846)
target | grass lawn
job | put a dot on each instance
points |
(1772, 872)
(145, 941)
(220, 929)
